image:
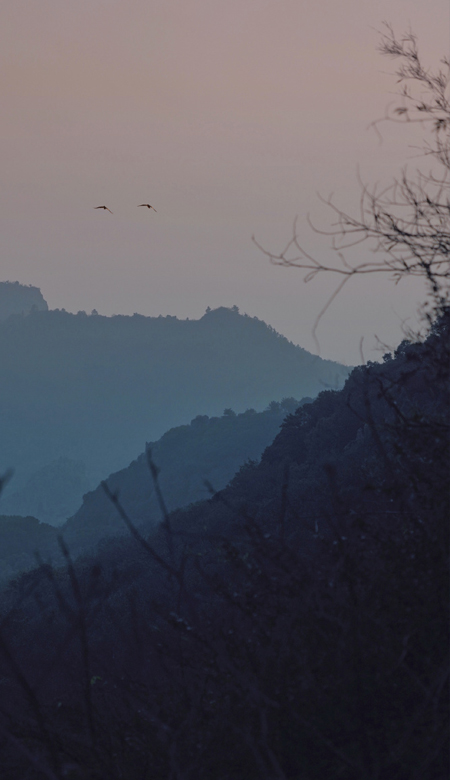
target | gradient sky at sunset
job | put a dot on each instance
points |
(228, 116)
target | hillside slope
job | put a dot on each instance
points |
(294, 625)
(94, 389)
(208, 451)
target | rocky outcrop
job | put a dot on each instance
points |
(16, 298)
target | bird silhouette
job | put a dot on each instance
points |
(148, 206)
(103, 207)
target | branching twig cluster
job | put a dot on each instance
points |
(406, 224)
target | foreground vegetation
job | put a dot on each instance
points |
(294, 625)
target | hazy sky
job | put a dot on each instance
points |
(228, 116)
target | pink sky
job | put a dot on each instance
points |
(228, 116)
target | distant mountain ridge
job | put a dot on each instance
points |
(52, 493)
(210, 449)
(16, 298)
(93, 389)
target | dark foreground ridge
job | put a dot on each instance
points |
(295, 625)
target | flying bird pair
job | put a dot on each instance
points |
(141, 204)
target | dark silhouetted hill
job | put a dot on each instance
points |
(294, 625)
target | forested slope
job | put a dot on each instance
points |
(294, 625)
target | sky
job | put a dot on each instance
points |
(231, 117)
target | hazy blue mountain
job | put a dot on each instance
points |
(18, 298)
(52, 493)
(94, 389)
(209, 450)
(23, 540)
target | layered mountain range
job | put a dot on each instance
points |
(81, 394)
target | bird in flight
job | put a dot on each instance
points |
(103, 207)
(148, 206)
